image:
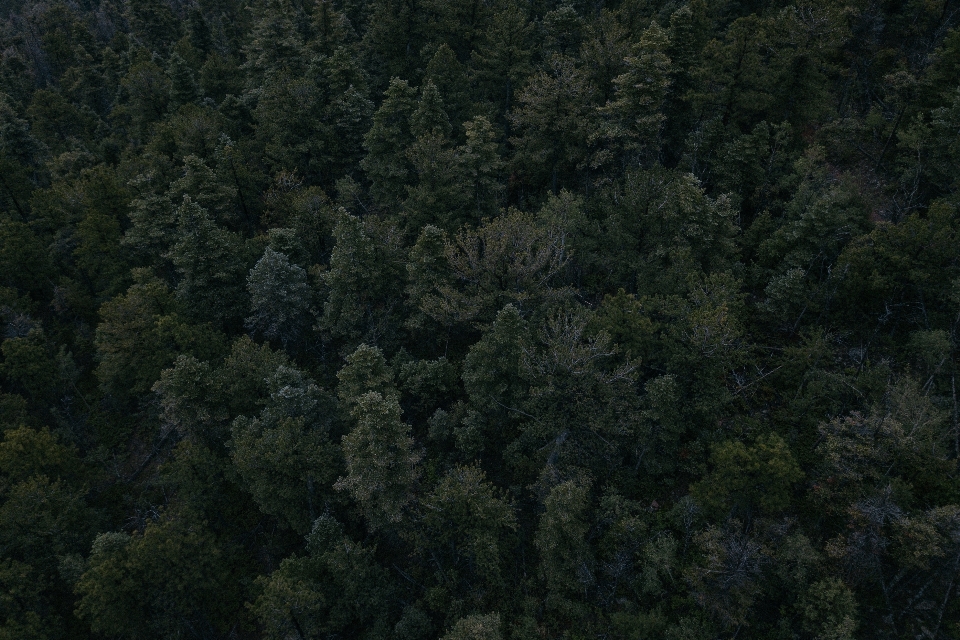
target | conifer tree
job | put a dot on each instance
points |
(363, 284)
(280, 298)
(386, 143)
(381, 462)
(211, 263)
(637, 110)
(183, 86)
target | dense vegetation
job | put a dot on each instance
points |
(519, 319)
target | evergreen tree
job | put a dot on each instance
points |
(385, 163)
(279, 298)
(381, 463)
(285, 455)
(363, 283)
(211, 263)
(154, 24)
(274, 44)
(555, 118)
(637, 110)
(502, 59)
(419, 319)
(183, 86)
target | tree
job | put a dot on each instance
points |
(290, 116)
(567, 565)
(153, 24)
(129, 347)
(280, 298)
(445, 71)
(395, 36)
(660, 227)
(331, 26)
(501, 60)
(20, 157)
(211, 262)
(463, 529)
(30, 366)
(637, 110)
(146, 94)
(495, 381)
(555, 117)
(284, 455)
(22, 604)
(171, 577)
(363, 283)
(829, 610)
(338, 588)
(476, 627)
(744, 479)
(481, 164)
(438, 196)
(512, 259)
(386, 164)
(365, 370)
(581, 398)
(274, 45)
(183, 85)
(24, 263)
(381, 462)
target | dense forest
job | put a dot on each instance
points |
(479, 320)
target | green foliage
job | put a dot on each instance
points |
(386, 142)
(746, 479)
(339, 588)
(362, 282)
(364, 370)
(464, 527)
(26, 452)
(567, 565)
(422, 319)
(140, 334)
(381, 462)
(829, 610)
(285, 455)
(636, 111)
(476, 627)
(23, 261)
(556, 117)
(508, 260)
(171, 577)
(28, 364)
(211, 262)
(279, 298)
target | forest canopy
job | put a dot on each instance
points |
(479, 320)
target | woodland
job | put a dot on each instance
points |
(479, 320)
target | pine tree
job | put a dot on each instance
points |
(502, 59)
(450, 77)
(284, 455)
(183, 86)
(382, 465)
(20, 156)
(331, 27)
(637, 111)
(280, 298)
(211, 263)
(274, 44)
(363, 283)
(153, 24)
(437, 197)
(386, 143)
(481, 164)
(555, 120)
